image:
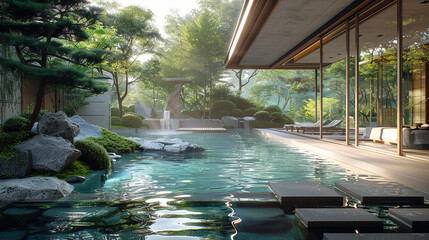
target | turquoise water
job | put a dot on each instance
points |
(153, 195)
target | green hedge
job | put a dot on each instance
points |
(223, 105)
(136, 115)
(273, 109)
(115, 120)
(16, 124)
(220, 114)
(264, 124)
(8, 140)
(112, 142)
(237, 113)
(250, 111)
(93, 154)
(114, 111)
(27, 114)
(262, 115)
(131, 121)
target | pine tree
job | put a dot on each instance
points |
(42, 33)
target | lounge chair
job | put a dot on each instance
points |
(294, 126)
(331, 127)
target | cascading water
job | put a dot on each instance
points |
(167, 123)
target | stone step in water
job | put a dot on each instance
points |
(292, 194)
(380, 192)
(413, 219)
(339, 220)
(375, 236)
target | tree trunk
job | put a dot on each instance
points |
(38, 106)
(118, 93)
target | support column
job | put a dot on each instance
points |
(347, 82)
(399, 77)
(321, 88)
(357, 54)
(315, 95)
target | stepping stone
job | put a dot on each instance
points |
(339, 220)
(380, 193)
(416, 219)
(292, 194)
(375, 236)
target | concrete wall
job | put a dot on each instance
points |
(98, 110)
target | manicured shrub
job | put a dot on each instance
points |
(16, 124)
(187, 112)
(197, 113)
(262, 115)
(115, 120)
(10, 139)
(135, 114)
(131, 121)
(131, 109)
(237, 113)
(112, 142)
(114, 111)
(250, 111)
(93, 154)
(242, 103)
(223, 105)
(288, 119)
(273, 109)
(220, 114)
(264, 124)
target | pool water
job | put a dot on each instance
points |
(155, 195)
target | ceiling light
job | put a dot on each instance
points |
(424, 2)
(359, 35)
(381, 35)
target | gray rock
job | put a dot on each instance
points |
(58, 125)
(47, 153)
(86, 129)
(167, 141)
(174, 145)
(183, 147)
(17, 167)
(75, 179)
(230, 121)
(33, 188)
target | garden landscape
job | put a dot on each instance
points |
(214, 119)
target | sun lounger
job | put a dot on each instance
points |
(294, 126)
(331, 127)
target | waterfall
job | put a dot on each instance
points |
(167, 123)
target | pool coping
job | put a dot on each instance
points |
(406, 171)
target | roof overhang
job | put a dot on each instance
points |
(271, 33)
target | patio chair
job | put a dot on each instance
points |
(332, 127)
(294, 126)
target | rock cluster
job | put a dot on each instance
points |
(86, 129)
(58, 125)
(175, 145)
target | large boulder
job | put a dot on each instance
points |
(33, 188)
(17, 167)
(48, 153)
(86, 129)
(58, 125)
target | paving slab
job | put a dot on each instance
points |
(292, 194)
(339, 220)
(416, 219)
(380, 192)
(376, 236)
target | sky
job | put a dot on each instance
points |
(161, 8)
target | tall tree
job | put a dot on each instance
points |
(41, 32)
(138, 36)
(244, 78)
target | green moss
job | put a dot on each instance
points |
(8, 140)
(77, 168)
(131, 121)
(112, 142)
(116, 126)
(93, 154)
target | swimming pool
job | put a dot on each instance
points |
(155, 195)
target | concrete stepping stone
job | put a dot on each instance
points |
(339, 220)
(415, 219)
(375, 236)
(292, 194)
(380, 192)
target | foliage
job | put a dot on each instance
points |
(93, 154)
(219, 114)
(15, 124)
(75, 99)
(273, 109)
(131, 109)
(77, 168)
(136, 115)
(27, 114)
(265, 124)
(331, 109)
(250, 111)
(195, 113)
(223, 105)
(114, 111)
(10, 139)
(279, 117)
(131, 121)
(112, 142)
(43, 33)
(237, 112)
(262, 115)
(115, 120)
